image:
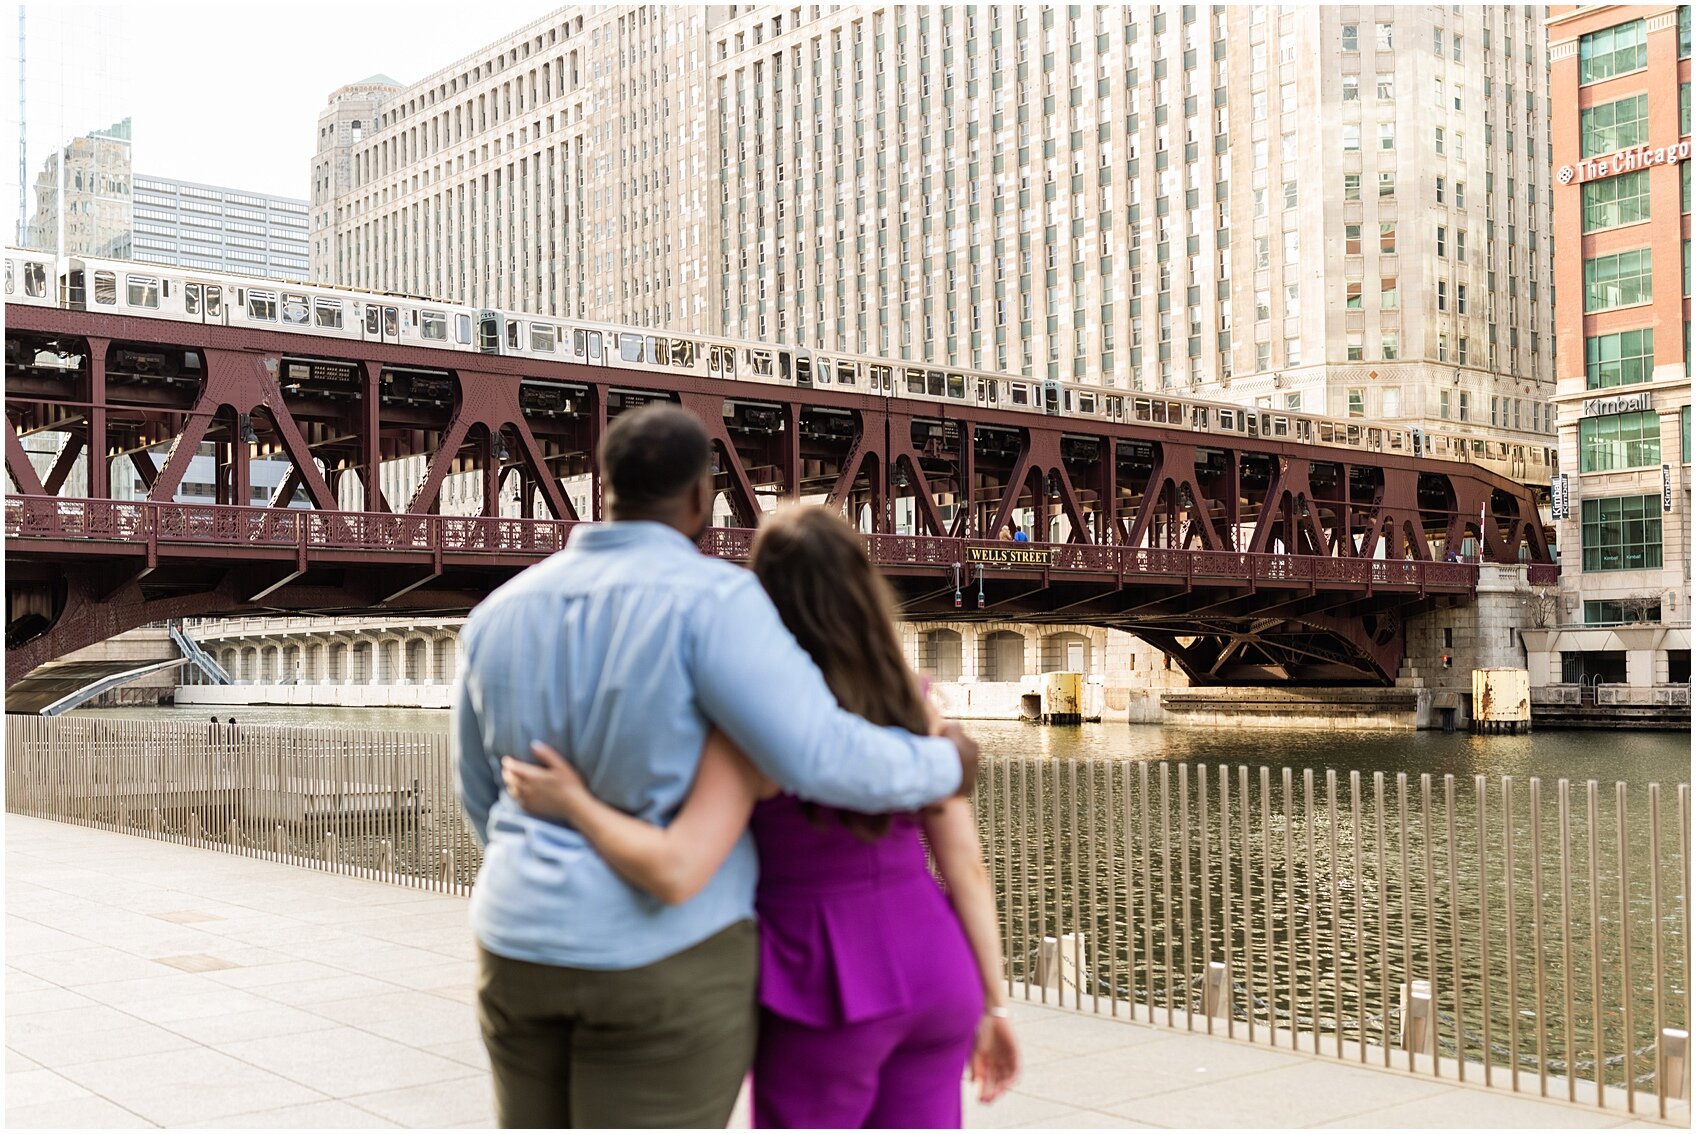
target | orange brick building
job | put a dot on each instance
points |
(1619, 85)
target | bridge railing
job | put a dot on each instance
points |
(307, 530)
(1521, 934)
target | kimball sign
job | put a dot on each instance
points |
(1626, 161)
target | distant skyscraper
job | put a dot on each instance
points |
(96, 192)
(1331, 209)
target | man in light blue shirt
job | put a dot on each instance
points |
(601, 1006)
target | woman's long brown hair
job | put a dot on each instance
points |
(818, 574)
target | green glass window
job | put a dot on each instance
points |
(1605, 612)
(1616, 201)
(1614, 126)
(1622, 533)
(1684, 432)
(1683, 109)
(1612, 51)
(1619, 441)
(1684, 31)
(1623, 358)
(1618, 280)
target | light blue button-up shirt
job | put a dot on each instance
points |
(618, 651)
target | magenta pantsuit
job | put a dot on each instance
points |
(869, 994)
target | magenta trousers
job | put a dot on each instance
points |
(901, 1071)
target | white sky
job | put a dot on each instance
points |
(228, 93)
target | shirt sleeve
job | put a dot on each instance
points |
(474, 772)
(761, 688)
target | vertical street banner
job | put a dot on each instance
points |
(1666, 488)
(1557, 497)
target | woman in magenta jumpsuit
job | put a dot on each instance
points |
(878, 991)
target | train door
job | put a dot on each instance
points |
(489, 332)
(204, 301)
(985, 389)
(382, 323)
(721, 361)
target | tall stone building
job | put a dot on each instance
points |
(1620, 77)
(96, 193)
(1340, 209)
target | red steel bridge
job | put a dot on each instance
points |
(1248, 560)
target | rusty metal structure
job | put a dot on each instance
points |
(1247, 560)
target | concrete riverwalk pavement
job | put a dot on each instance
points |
(151, 984)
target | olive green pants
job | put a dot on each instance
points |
(667, 1044)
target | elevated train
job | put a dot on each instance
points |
(157, 291)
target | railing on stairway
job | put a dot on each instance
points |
(191, 650)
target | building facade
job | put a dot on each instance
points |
(96, 192)
(1620, 83)
(1340, 209)
(218, 229)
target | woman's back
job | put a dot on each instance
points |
(851, 928)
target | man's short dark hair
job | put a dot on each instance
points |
(653, 455)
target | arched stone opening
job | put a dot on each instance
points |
(388, 661)
(338, 663)
(1002, 656)
(417, 667)
(1065, 652)
(940, 653)
(364, 662)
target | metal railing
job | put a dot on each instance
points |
(375, 804)
(302, 534)
(1509, 932)
(1505, 931)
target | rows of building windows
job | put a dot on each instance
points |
(1619, 441)
(1621, 358)
(1622, 533)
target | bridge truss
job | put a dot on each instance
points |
(1245, 559)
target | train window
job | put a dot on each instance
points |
(1086, 403)
(262, 305)
(35, 278)
(214, 300)
(760, 360)
(845, 373)
(391, 322)
(327, 313)
(513, 332)
(804, 371)
(651, 354)
(541, 338)
(915, 381)
(662, 351)
(1354, 436)
(1020, 394)
(630, 348)
(373, 320)
(1398, 440)
(106, 288)
(11, 278)
(933, 383)
(593, 339)
(143, 291)
(191, 299)
(683, 353)
(294, 309)
(577, 343)
(957, 386)
(433, 325)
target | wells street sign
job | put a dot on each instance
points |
(1011, 555)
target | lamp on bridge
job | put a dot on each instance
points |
(1053, 485)
(901, 478)
(501, 451)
